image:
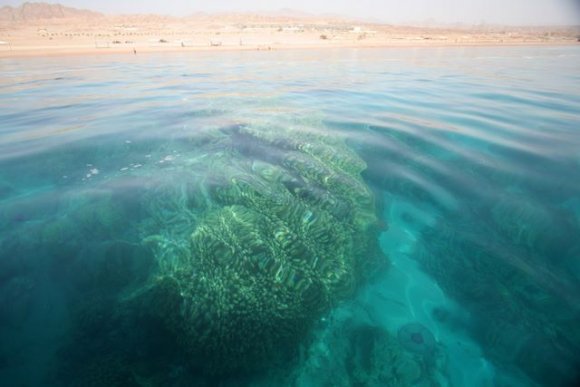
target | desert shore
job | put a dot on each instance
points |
(51, 51)
(140, 34)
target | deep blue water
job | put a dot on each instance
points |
(472, 155)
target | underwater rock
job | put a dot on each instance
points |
(270, 229)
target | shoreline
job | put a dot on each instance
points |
(56, 51)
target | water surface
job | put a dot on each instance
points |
(472, 154)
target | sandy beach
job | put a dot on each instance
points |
(93, 33)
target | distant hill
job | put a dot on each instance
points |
(41, 11)
(288, 13)
(293, 14)
(45, 11)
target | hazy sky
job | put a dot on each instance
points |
(395, 11)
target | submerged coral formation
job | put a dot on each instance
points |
(524, 317)
(266, 230)
(348, 351)
(375, 358)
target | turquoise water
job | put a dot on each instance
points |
(108, 164)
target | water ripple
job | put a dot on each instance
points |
(473, 155)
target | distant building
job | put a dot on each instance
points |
(293, 29)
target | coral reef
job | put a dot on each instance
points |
(376, 358)
(530, 223)
(348, 351)
(264, 232)
(500, 271)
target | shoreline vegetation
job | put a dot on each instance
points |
(39, 29)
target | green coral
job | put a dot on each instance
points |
(264, 233)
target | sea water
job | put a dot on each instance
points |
(472, 154)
